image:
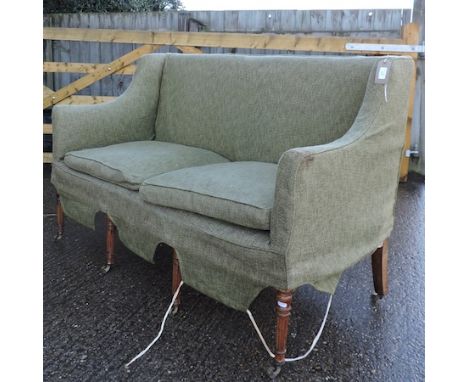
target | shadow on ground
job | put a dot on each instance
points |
(94, 324)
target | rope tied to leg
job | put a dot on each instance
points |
(174, 298)
(314, 342)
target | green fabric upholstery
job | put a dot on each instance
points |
(254, 108)
(129, 164)
(129, 117)
(237, 192)
(227, 262)
(336, 141)
(334, 203)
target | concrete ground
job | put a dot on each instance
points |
(94, 323)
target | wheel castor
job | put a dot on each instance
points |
(106, 268)
(58, 237)
(274, 370)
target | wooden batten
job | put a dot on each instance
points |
(97, 75)
(47, 158)
(85, 100)
(410, 36)
(81, 67)
(47, 128)
(215, 40)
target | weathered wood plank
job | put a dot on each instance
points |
(410, 34)
(85, 81)
(226, 40)
(47, 158)
(47, 128)
(81, 67)
(46, 91)
(85, 100)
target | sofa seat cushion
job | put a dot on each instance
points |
(237, 192)
(128, 164)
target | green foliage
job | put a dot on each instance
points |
(77, 6)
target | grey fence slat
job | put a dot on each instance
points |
(103, 52)
(48, 56)
(95, 55)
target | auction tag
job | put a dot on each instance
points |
(383, 71)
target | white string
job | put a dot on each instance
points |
(160, 330)
(317, 337)
(260, 334)
(314, 342)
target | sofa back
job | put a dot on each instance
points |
(257, 107)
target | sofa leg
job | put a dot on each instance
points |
(110, 245)
(60, 218)
(283, 311)
(379, 269)
(176, 279)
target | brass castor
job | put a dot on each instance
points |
(106, 268)
(274, 370)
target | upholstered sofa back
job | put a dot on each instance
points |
(257, 107)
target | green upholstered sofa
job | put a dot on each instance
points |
(259, 171)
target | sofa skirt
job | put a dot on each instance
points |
(229, 263)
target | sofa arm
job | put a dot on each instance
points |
(334, 202)
(130, 117)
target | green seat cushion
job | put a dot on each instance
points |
(129, 164)
(237, 192)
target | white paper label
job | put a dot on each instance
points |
(382, 73)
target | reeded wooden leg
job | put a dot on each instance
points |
(379, 269)
(110, 244)
(283, 311)
(176, 279)
(59, 217)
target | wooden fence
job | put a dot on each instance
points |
(347, 23)
(190, 42)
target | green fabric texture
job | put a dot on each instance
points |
(129, 164)
(237, 192)
(227, 262)
(334, 203)
(333, 196)
(129, 117)
(78, 211)
(254, 108)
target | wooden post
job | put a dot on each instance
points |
(379, 269)
(59, 217)
(283, 311)
(410, 36)
(176, 279)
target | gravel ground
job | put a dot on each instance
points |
(95, 323)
